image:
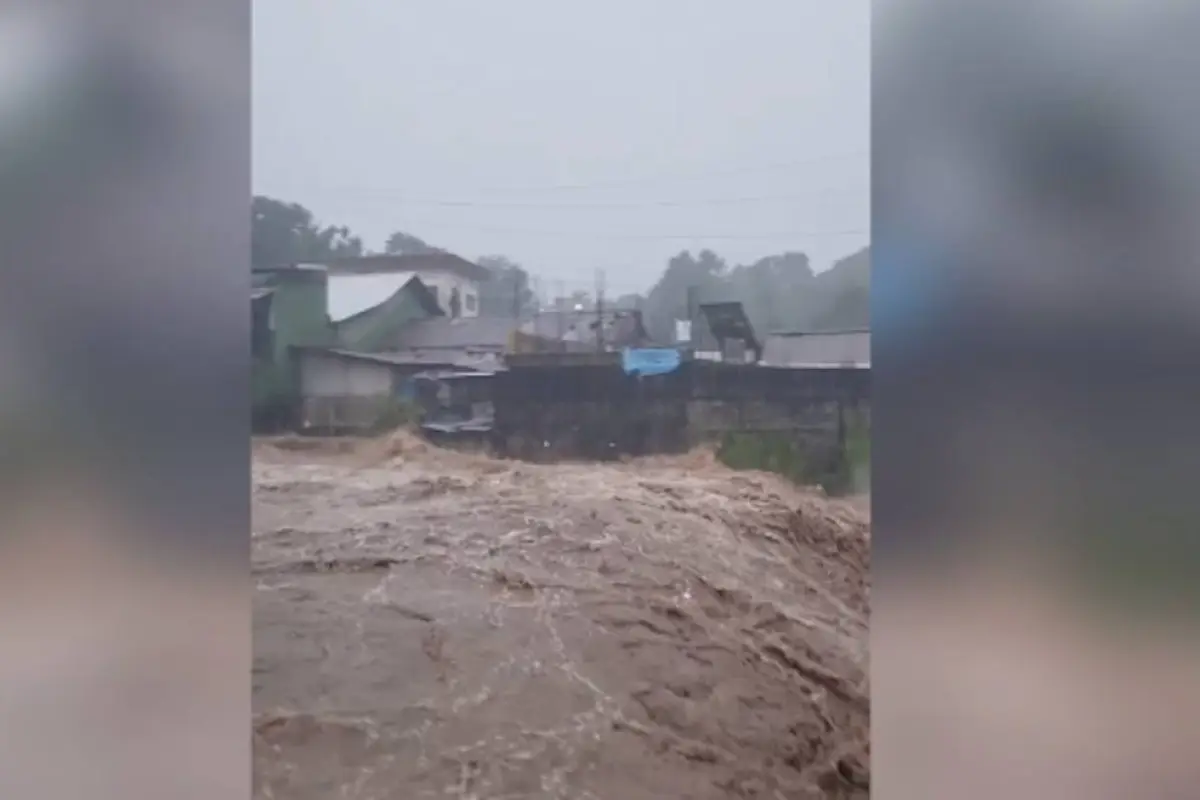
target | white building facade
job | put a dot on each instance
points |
(357, 284)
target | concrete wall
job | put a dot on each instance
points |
(330, 376)
(594, 410)
(586, 406)
(813, 408)
(340, 394)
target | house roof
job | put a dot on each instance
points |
(458, 359)
(421, 262)
(262, 292)
(350, 295)
(454, 375)
(454, 332)
(404, 358)
(287, 269)
(818, 349)
(583, 358)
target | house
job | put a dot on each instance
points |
(343, 391)
(288, 309)
(357, 284)
(819, 349)
(340, 390)
(327, 339)
(583, 330)
(467, 341)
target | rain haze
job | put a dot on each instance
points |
(572, 137)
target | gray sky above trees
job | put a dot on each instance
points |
(572, 136)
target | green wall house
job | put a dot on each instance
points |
(288, 308)
(291, 308)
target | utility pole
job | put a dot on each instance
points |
(691, 316)
(558, 308)
(600, 310)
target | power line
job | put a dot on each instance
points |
(665, 236)
(401, 200)
(698, 175)
(681, 176)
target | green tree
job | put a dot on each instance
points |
(775, 291)
(844, 291)
(580, 298)
(778, 292)
(629, 301)
(850, 309)
(685, 280)
(286, 233)
(507, 292)
(401, 243)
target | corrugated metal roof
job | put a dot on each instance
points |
(455, 332)
(407, 358)
(453, 358)
(832, 349)
(259, 294)
(352, 294)
(451, 375)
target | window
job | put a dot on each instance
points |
(470, 302)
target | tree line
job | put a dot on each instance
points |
(778, 292)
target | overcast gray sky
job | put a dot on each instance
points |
(572, 136)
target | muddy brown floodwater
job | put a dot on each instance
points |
(436, 624)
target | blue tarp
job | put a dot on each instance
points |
(656, 361)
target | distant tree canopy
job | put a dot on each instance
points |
(287, 233)
(629, 301)
(686, 280)
(401, 243)
(845, 292)
(508, 293)
(779, 292)
(579, 298)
